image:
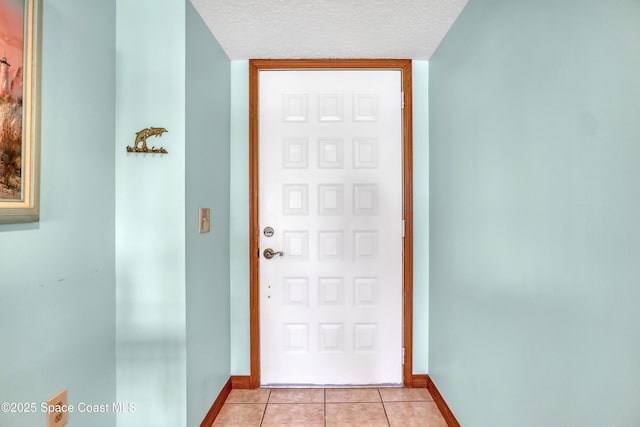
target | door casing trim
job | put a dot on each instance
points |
(404, 65)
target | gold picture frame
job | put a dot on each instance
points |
(20, 112)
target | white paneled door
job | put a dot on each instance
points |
(330, 212)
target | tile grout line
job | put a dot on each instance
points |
(384, 408)
(325, 407)
(297, 403)
(265, 408)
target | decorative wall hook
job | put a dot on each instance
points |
(141, 137)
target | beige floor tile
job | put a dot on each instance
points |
(356, 414)
(342, 395)
(258, 395)
(240, 414)
(391, 394)
(414, 414)
(297, 395)
(344, 407)
(294, 414)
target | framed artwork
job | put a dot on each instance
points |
(20, 28)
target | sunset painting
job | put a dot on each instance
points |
(11, 105)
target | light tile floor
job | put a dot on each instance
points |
(329, 407)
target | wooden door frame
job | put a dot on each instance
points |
(255, 66)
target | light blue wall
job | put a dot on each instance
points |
(150, 213)
(207, 180)
(239, 232)
(535, 142)
(239, 241)
(58, 308)
(420, 89)
(57, 290)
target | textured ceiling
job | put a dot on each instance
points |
(329, 28)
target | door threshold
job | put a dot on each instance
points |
(386, 385)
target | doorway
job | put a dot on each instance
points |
(275, 287)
